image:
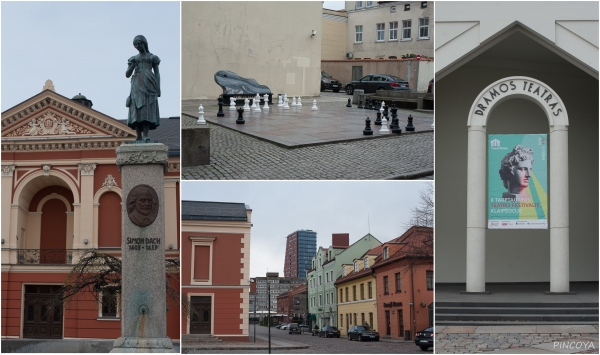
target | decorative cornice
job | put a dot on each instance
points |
(174, 166)
(143, 153)
(25, 146)
(49, 124)
(7, 170)
(87, 169)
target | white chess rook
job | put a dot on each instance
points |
(314, 106)
(201, 119)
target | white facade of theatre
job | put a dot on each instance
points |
(479, 47)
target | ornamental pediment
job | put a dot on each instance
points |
(49, 114)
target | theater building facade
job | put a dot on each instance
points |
(532, 70)
(61, 196)
(215, 281)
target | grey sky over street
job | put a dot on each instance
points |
(280, 208)
(333, 5)
(83, 47)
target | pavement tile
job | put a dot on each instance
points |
(498, 329)
(456, 329)
(569, 329)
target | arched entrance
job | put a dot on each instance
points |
(53, 232)
(555, 111)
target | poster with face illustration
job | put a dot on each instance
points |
(517, 181)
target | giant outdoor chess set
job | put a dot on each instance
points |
(291, 126)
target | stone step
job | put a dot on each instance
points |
(516, 310)
(516, 304)
(518, 317)
(196, 338)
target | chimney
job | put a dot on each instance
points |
(340, 240)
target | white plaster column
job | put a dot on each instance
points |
(86, 212)
(559, 208)
(7, 180)
(476, 208)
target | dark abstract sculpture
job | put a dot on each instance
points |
(234, 85)
(145, 90)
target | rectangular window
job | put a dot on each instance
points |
(354, 292)
(356, 266)
(380, 32)
(398, 286)
(424, 28)
(341, 319)
(369, 3)
(366, 263)
(347, 299)
(371, 319)
(320, 280)
(358, 34)
(326, 298)
(386, 290)
(202, 260)
(362, 318)
(386, 253)
(327, 277)
(348, 323)
(341, 296)
(359, 4)
(370, 290)
(429, 280)
(109, 299)
(423, 4)
(362, 291)
(355, 319)
(406, 29)
(331, 275)
(320, 300)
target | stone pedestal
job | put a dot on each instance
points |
(143, 298)
(195, 149)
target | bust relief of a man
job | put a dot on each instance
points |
(142, 205)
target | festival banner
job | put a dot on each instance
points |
(517, 181)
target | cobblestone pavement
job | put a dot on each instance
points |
(237, 156)
(516, 343)
(318, 345)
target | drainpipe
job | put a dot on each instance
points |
(412, 309)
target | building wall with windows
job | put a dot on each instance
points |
(270, 42)
(300, 248)
(215, 268)
(356, 293)
(389, 29)
(61, 196)
(404, 279)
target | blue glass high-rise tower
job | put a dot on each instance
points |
(300, 248)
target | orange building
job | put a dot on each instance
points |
(404, 279)
(60, 197)
(215, 239)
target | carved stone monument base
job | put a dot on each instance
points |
(143, 295)
(143, 345)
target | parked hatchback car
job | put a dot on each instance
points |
(373, 82)
(293, 328)
(329, 83)
(304, 328)
(362, 332)
(424, 338)
(329, 332)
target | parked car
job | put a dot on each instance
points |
(278, 326)
(329, 332)
(373, 82)
(430, 87)
(362, 332)
(284, 326)
(294, 328)
(424, 338)
(329, 83)
(304, 328)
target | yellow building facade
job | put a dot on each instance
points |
(356, 291)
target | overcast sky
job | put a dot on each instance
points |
(333, 5)
(280, 208)
(83, 47)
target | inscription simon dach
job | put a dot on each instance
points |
(143, 243)
(510, 86)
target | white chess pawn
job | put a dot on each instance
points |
(285, 98)
(314, 106)
(266, 98)
(246, 104)
(279, 101)
(384, 129)
(381, 109)
(299, 104)
(201, 119)
(285, 103)
(232, 104)
(293, 101)
(257, 102)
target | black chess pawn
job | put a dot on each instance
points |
(409, 127)
(349, 103)
(220, 113)
(240, 119)
(368, 131)
(395, 127)
(378, 119)
(360, 104)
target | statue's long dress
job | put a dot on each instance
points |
(144, 93)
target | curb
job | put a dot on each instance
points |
(183, 348)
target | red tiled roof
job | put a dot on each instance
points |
(353, 275)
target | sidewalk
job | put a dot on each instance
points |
(517, 339)
(261, 344)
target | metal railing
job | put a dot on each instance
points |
(47, 256)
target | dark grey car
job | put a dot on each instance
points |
(373, 82)
(360, 333)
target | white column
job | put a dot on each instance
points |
(476, 208)
(86, 211)
(559, 209)
(7, 180)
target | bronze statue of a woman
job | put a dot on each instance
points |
(145, 90)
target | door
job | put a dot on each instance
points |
(200, 322)
(53, 238)
(387, 323)
(400, 323)
(357, 72)
(40, 321)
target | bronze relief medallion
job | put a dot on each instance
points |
(142, 205)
